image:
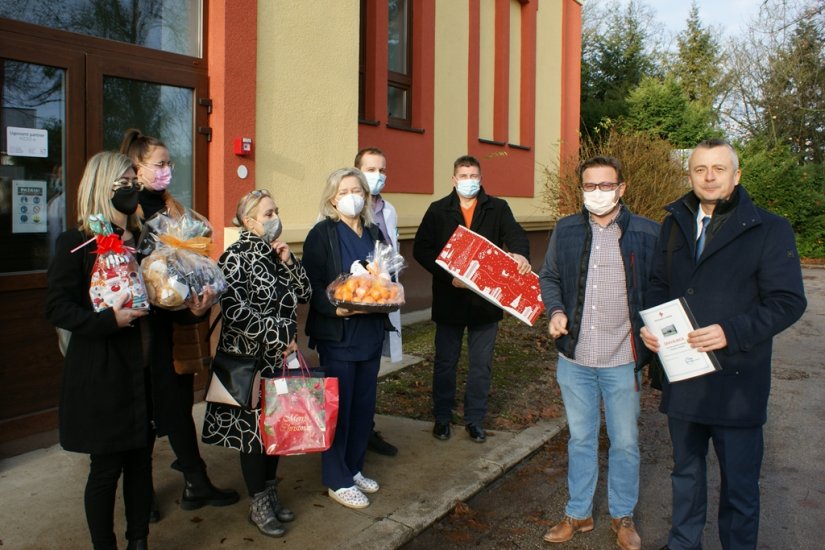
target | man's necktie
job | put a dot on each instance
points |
(700, 243)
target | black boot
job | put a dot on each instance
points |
(198, 491)
(154, 510)
(284, 514)
(137, 544)
(262, 516)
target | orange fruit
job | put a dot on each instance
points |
(351, 284)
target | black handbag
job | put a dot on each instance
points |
(234, 380)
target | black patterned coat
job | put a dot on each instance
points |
(258, 316)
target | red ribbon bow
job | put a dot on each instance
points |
(111, 243)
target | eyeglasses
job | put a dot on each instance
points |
(603, 186)
(161, 164)
(125, 183)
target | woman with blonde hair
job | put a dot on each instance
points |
(266, 282)
(104, 401)
(349, 343)
(172, 393)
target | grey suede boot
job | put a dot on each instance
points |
(263, 517)
(284, 514)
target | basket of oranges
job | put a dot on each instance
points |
(366, 292)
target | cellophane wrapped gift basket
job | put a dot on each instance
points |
(177, 265)
(371, 285)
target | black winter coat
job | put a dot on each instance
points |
(749, 281)
(492, 219)
(103, 395)
(172, 396)
(322, 262)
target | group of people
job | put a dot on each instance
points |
(602, 267)
(737, 268)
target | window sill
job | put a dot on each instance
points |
(368, 122)
(405, 128)
(522, 147)
(492, 142)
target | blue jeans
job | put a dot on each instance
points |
(583, 389)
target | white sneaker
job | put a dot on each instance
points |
(366, 484)
(351, 497)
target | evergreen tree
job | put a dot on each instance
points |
(662, 109)
(793, 96)
(698, 66)
(614, 61)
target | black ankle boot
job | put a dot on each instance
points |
(262, 516)
(198, 491)
(154, 509)
(284, 514)
(137, 544)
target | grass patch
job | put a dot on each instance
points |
(524, 387)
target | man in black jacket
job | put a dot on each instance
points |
(455, 307)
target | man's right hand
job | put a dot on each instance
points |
(558, 325)
(649, 340)
(458, 284)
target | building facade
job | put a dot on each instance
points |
(268, 94)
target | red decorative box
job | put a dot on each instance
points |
(491, 273)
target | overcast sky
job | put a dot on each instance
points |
(729, 16)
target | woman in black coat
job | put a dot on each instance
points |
(172, 393)
(349, 343)
(104, 405)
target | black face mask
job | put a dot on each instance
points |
(125, 201)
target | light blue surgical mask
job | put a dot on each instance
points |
(468, 188)
(375, 181)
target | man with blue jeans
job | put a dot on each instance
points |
(592, 284)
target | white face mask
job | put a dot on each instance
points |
(350, 205)
(600, 202)
(375, 181)
(468, 188)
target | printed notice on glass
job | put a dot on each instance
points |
(671, 322)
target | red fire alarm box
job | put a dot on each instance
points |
(243, 146)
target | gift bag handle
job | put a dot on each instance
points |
(305, 372)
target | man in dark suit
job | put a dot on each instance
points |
(737, 267)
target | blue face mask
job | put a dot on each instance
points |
(468, 188)
(375, 181)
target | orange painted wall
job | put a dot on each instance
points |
(571, 82)
(232, 46)
(508, 165)
(410, 153)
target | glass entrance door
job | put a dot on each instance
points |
(32, 157)
(162, 111)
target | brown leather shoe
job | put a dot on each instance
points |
(626, 536)
(568, 527)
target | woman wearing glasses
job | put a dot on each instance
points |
(349, 345)
(172, 393)
(266, 282)
(104, 409)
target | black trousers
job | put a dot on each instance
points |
(740, 452)
(101, 489)
(257, 469)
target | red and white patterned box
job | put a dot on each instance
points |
(491, 273)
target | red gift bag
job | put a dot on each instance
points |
(298, 413)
